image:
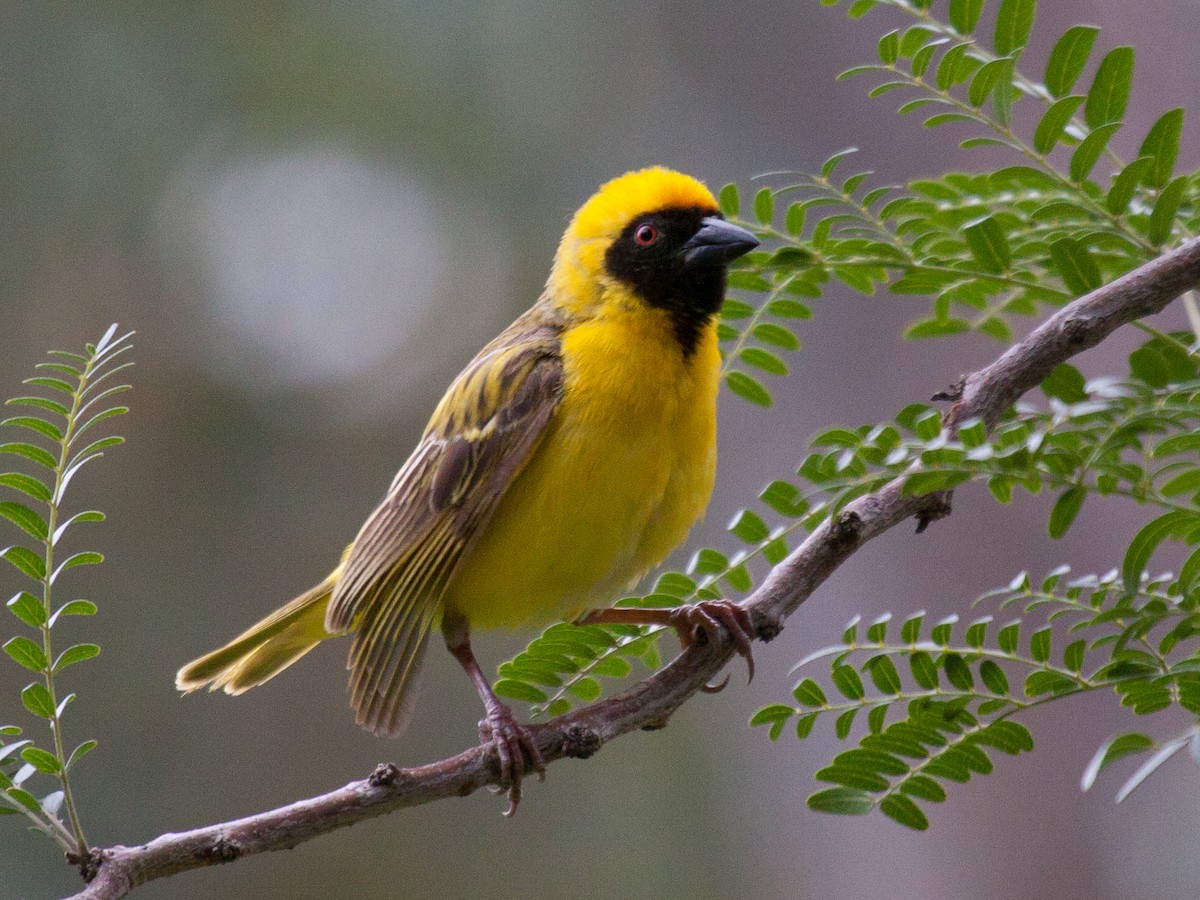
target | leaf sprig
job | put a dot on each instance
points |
(59, 431)
(951, 689)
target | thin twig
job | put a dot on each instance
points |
(984, 395)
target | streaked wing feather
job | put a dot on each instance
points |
(481, 435)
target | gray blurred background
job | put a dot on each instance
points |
(313, 214)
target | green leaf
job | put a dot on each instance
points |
(992, 76)
(35, 424)
(748, 388)
(1066, 508)
(55, 384)
(842, 801)
(26, 485)
(831, 164)
(923, 787)
(958, 672)
(964, 15)
(41, 760)
(1075, 266)
(809, 693)
(26, 653)
(1065, 383)
(733, 309)
(764, 206)
(1187, 482)
(1160, 362)
(993, 676)
(988, 244)
(26, 799)
(1013, 23)
(1146, 541)
(1054, 122)
(727, 199)
(1112, 750)
(519, 690)
(1162, 220)
(1039, 644)
(86, 558)
(1162, 146)
(774, 715)
(1073, 655)
(80, 652)
(884, 675)
(41, 403)
(784, 498)
(793, 219)
(29, 451)
(846, 680)
(586, 689)
(80, 752)
(889, 48)
(26, 560)
(763, 360)
(749, 527)
(1125, 185)
(954, 68)
(28, 609)
(88, 515)
(1068, 58)
(37, 700)
(1084, 159)
(901, 809)
(24, 518)
(924, 670)
(1109, 94)
(74, 608)
(776, 335)
(789, 309)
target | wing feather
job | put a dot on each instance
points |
(397, 571)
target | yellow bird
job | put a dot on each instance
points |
(569, 457)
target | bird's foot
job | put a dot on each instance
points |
(707, 617)
(511, 741)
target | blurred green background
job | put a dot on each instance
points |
(313, 214)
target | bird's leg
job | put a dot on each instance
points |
(509, 737)
(705, 617)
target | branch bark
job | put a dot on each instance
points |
(984, 394)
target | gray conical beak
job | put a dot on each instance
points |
(717, 243)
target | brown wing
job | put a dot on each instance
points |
(481, 435)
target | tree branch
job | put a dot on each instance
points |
(984, 394)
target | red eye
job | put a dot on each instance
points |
(645, 235)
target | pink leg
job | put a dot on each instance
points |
(706, 616)
(509, 737)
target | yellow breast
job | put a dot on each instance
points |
(625, 469)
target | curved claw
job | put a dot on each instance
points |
(715, 687)
(511, 740)
(709, 616)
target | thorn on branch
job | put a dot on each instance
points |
(580, 742)
(223, 850)
(936, 506)
(847, 526)
(385, 775)
(951, 394)
(767, 627)
(89, 865)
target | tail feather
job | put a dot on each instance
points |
(265, 649)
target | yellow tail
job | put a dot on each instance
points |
(265, 649)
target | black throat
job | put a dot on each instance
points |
(659, 276)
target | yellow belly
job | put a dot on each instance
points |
(624, 471)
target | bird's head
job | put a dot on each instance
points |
(653, 238)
